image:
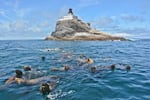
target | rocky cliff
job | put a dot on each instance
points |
(71, 28)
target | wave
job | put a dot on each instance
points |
(58, 94)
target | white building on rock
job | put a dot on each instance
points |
(70, 16)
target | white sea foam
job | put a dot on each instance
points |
(60, 93)
(50, 49)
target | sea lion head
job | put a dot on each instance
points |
(93, 69)
(26, 68)
(43, 58)
(112, 67)
(128, 68)
(90, 61)
(18, 73)
(44, 88)
(66, 68)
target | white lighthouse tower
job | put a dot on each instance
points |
(70, 16)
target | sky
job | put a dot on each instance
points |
(36, 19)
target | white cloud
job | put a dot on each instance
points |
(16, 8)
(114, 25)
(3, 13)
(24, 21)
(131, 18)
(63, 11)
(34, 29)
(5, 26)
(123, 34)
(18, 25)
(103, 22)
(135, 30)
(133, 36)
(20, 12)
(20, 30)
(44, 23)
(13, 4)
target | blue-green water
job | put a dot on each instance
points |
(79, 83)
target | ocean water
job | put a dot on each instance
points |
(78, 83)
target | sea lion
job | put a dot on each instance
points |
(19, 74)
(46, 88)
(92, 69)
(112, 67)
(43, 58)
(27, 68)
(128, 68)
(85, 61)
(64, 68)
(89, 61)
(19, 79)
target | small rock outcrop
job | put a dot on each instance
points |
(71, 28)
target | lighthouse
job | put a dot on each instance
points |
(70, 16)
(70, 12)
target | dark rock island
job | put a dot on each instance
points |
(71, 28)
